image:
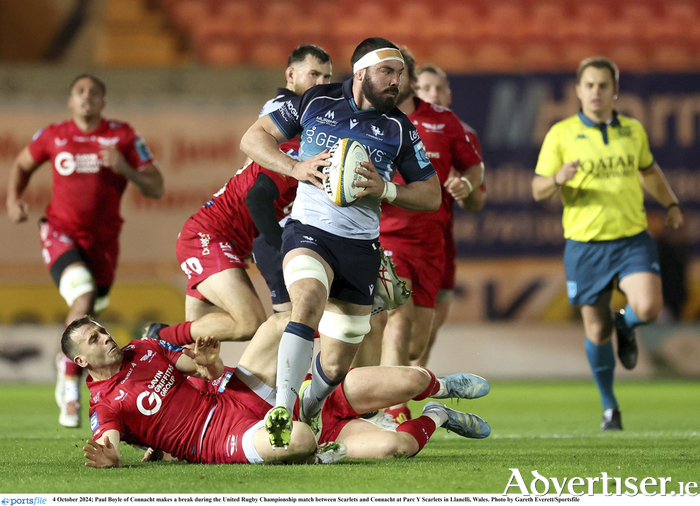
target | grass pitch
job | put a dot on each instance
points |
(548, 427)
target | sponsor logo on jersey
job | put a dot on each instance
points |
(433, 154)
(288, 112)
(434, 127)
(610, 167)
(142, 150)
(232, 257)
(413, 135)
(131, 369)
(66, 163)
(327, 119)
(148, 403)
(226, 246)
(122, 395)
(421, 156)
(107, 141)
(148, 356)
(94, 422)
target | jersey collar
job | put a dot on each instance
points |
(614, 121)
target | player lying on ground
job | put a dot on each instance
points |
(140, 395)
(365, 389)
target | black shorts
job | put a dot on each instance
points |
(269, 262)
(355, 262)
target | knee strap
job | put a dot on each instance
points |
(75, 282)
(346, 328)
(303, 267)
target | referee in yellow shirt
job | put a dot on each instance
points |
(600, 160)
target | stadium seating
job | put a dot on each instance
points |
(463, 35)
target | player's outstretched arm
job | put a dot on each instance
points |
(203, 360)
(654, 181)
(20, 173)
(104, 452)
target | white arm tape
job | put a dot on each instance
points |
(389, 193)
(469, 183)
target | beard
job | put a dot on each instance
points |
(374, 96)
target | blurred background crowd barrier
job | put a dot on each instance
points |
(192, 75)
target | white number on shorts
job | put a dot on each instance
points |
(191, 264)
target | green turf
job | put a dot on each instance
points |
(548, 427)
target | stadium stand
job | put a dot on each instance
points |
(462, 35)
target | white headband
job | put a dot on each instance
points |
(376, 56)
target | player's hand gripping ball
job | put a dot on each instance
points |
(346, 155)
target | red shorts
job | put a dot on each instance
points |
(100, 254)
(223, 443)
(422, 261)
(336, 414)
(448, 277)
(202, 254)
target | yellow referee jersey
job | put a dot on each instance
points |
(605, 199)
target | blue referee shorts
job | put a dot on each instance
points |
(591, 267)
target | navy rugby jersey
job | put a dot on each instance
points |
(327, 113)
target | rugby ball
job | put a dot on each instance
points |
(346, 155)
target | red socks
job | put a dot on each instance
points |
(433, 387)
(177, 334)
(421, 429)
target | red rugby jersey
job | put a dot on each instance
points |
(447, 145)
(86, 195)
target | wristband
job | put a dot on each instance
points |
(673, 204)
(469, 184)
(389, 193)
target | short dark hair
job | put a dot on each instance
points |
(599, 62)
(369, 45)
(68, 345)
(409, 64)
(100, 84)
(433, 69)
(300, 53)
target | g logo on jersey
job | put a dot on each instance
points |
(65, 163)
(153, 406)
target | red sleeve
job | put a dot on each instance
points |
(473, 139)
(464, 153)
(102, 419)
(37, 148)
(134, 149)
